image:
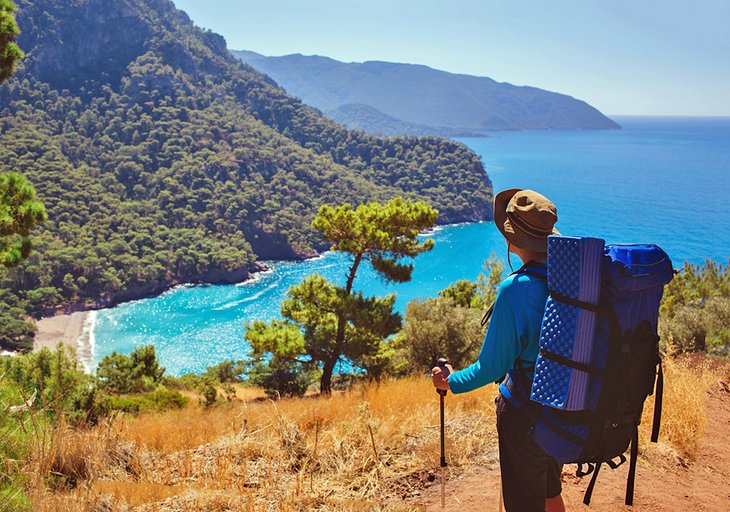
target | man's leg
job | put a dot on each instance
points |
(554, 501)
(523, 464)
(554, 504)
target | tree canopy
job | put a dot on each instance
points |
(381, 234)
(10, 54)
(139, 371)
(20, 212)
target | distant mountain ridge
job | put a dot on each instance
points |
(425, 97)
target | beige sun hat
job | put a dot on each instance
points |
(525, 218)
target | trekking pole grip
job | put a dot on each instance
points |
(441, 363)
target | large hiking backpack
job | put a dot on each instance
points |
(599, 354)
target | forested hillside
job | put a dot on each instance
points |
(160, 158)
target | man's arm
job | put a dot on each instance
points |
(500, 349)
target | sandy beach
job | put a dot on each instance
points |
(60, 329)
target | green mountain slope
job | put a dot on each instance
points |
(162, 159)
(425, 96)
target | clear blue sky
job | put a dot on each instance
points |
(643, 57)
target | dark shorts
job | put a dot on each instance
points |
(529, 475)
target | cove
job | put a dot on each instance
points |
(193, 327)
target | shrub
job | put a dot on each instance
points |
(388, 361)
(478, 294)
(695, 311)
(700, 326)
(281, 378)
(439, 327)
(447, 326)
(161, 399)
(140, 371)
(461, 293)
(226, 372)
(210, 395)
(188, 382)
(56, 375)
(696, 284)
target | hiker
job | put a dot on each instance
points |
(530, 477)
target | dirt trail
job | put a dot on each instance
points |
(664, 481)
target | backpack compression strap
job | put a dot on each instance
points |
(565, 361)
(658, 398)
(632, 467)
(591, 485)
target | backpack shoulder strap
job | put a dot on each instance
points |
(488, 314)
(534, 269)
(531, 268)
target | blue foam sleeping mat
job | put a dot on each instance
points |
(574, 271)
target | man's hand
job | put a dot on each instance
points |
(440, 377)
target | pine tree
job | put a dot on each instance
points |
(325, 322)
(20, 212)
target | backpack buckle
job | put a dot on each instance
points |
(611, 424)
(580, 472)
(614, 465)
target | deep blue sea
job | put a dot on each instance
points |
(659, 180)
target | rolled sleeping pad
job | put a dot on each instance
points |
(568, 331)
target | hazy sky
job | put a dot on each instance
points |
(646, 57)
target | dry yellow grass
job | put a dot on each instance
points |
(352, 451)
(684, 410)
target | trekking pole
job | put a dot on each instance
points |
(442, 393)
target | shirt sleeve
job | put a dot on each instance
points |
(500, 349)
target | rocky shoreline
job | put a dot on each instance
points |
(212, 277)
(69, 323)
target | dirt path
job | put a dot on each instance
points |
(664, 482)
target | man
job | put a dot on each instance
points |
(530, 478)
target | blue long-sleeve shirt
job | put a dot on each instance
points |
(513, 333)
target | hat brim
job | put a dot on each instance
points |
(512, 235)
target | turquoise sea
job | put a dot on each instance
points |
(659, 180)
